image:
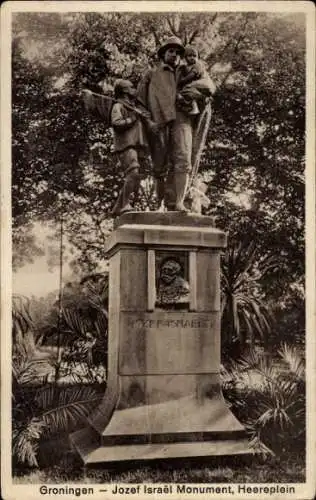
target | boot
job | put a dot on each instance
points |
(180, 182)
(160, 190)
(117, 207)
(170, 195)
(131, 185)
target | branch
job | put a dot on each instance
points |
(217, 57)
(205, 23)
(241, 36)
(214, 18)
(235, 49)
(229, 44)
(97, 221)
(88, 244)
(193, 36)
(98, 224)
(230, 72)
(156, 37)
(172, 27)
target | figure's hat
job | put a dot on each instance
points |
(121, 86)
(173, 41)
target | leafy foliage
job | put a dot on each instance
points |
(22, 320)
(26, 441)
(40, 410)
(23, 336)
(269, 399)
(40, 413)
(246, 314)
(66, 408)
(82, 327)
(254, 156)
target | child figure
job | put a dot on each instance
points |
(197, 196)
(189, 73)
(129, 142)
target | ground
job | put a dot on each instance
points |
(289, 469)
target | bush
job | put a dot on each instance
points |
(42, 410)
(269, 398)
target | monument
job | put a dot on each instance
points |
(163, 397)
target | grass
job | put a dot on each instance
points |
(286, 469)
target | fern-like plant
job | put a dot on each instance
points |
(269, 398)
(83, 326)
(245, 313)
(41, 410)
(22, 324)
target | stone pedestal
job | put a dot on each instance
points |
(163, 398)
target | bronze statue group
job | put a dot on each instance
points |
(168, 117)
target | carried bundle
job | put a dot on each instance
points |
(99, 105)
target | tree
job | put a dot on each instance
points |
(260, 120)
(254, 156)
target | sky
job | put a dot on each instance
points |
(41, 277)
(36, 279)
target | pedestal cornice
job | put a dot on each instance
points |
(165, 219)
(144, 229)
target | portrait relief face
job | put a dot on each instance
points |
(172, 285)
(169, 271)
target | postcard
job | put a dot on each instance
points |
(158, 250)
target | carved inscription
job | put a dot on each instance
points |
(184, 322)
(169, 342)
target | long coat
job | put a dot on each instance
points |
(157, 93)
(128, 128)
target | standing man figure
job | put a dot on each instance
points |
(171, 149)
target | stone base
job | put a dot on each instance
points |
(180, 420)
(156, 432)
(163, 397)
(93, 454)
